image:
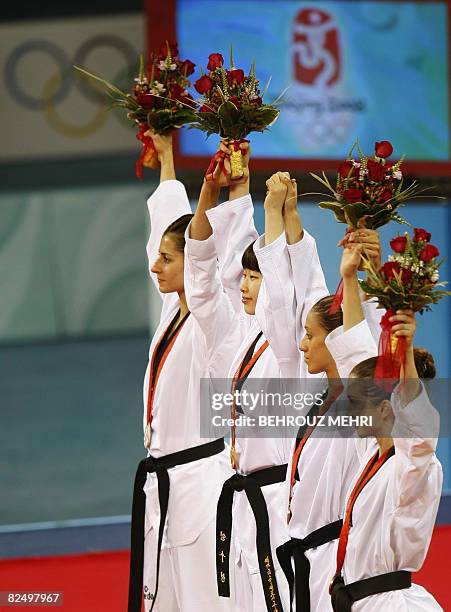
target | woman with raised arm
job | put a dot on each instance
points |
(392, 503)
(178, 484)
(259, 461)
(317, 466)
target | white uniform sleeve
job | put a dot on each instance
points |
(168, 202)
(209, 304)
(308, 277)
(233, 230)
(276, 309)
(348, 348)
(414, 491)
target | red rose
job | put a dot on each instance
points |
(236, 101)
(385, 195)
(177, 92)
(406, 275)
(187, 67)
(172, 46)
(399, 244)
(429, 252)
(421, 235)
(375, 170)
(353, 195)
(383, 148)
(346, 169)
(203, 84)
(205, 109)
(146, 100)
(215, 60)
(235, 76)
(389, 268)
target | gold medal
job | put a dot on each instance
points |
(147, 436)
(236, 164)
(233, 457)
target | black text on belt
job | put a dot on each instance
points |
(160, 466)
(251, 484)
(344, 595)
(299, 580)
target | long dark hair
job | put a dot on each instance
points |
(177, 230)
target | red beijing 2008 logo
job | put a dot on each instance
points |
(317, 57)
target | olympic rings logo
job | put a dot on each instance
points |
(58, 86)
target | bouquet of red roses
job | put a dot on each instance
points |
(408, 280)
(369, 191)
(232, 106)
(160, 99)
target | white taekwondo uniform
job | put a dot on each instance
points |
(394, 515)
(187, 577)
(254, 453)
(326, 465)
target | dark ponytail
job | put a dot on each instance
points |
(177, 230)
(328, 321)
(424, 363)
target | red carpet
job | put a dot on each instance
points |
(97, 582)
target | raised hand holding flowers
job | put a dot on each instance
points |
(160, 99)
(407, 281)
(232, 107)
(367, 194)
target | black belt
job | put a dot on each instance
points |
(252, 484)
(160, 466)
(344, 595)
(296, 548)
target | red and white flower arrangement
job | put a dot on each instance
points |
(408, 280)
(368, 191)
(160, 99)
(231, 106)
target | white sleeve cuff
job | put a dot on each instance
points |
(419, 419)
(348, 348)
(199, 249)
(232, 206)
(267, 251)
(303, 246)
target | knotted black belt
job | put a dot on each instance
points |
(251, 484)
(160, 466)
(296, 548)
(344, 595)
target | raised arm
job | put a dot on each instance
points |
(308, 278)
(168, 202)
(206, 299)
(276, 309)
(353, 342)
(233, 231)
(371, 249)
(352, 308)
(414, 491)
